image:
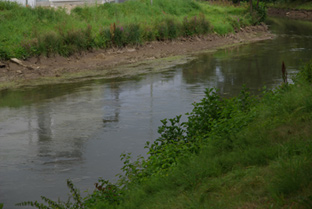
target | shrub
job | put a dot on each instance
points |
(148, 34)
(162, 31)
(49, 43)
(261, 12)
(118, 38)
(305, 73)
(133, 34)
(104, 38)
(172, 29)
(30, 47)
(196, 25)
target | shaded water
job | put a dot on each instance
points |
(78, 131)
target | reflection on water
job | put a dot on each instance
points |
(112, 106)
(78, 131)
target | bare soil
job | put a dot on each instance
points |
(104, 62)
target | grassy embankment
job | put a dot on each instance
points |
(243, 152)
(292, 4)
(27, 32)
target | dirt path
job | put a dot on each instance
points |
(106, 63)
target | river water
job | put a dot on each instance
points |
(78, 131)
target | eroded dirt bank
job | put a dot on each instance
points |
(291, 13)
(119, 62)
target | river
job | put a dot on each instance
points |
(78, 131)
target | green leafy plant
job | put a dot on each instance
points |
(261, 12)
(197, 25)
(104, 192)
(172, 29)
(133, 34)
(162, 31)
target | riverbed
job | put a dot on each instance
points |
(78, 130)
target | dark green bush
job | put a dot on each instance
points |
(133, 34)
(305, 73)
(49, 43)
(172, 29)
(119, 37)
(3, 54)
(196, 26)
(148, 34)
(261, 12)
(162, 31)
(104, 38)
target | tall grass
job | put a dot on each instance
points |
(27, 32)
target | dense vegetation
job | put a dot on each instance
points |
(27, 32)
(242, 152)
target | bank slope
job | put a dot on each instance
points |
(28, 32)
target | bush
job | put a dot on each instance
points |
(133, 34)
(196, 26)
(305, 73)
(162, 31)
(172, 28)
(261, 11)
(104, 38)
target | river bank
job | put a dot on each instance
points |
(55, 132)
(299, 14)
(104, 63)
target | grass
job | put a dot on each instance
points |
(27, 32)
(258, 158)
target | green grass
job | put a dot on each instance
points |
(27, 32)
(259, 156)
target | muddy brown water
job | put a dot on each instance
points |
(78, 131)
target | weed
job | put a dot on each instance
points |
(104, 192)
